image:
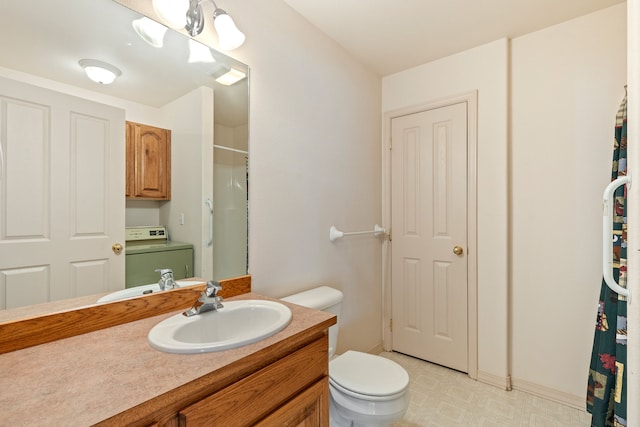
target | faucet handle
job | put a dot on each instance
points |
(208, 301)
(164, 271)
(212, 288)
(166, 279)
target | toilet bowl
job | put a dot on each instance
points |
(364, 389)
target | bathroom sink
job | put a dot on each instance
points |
(137, 291)
(131, 292)
(239, 323)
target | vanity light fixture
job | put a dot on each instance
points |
(230, 77)
(172, 12)
(199, 53)
(229, 36)
(100, 72)
(150, 31)
(195, 18)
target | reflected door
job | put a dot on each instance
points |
(429, 223)
(61, 196)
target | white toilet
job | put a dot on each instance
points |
(365, 389)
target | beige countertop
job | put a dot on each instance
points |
(48, 307)
(66, 304)
(88, 378)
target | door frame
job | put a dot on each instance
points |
(471, 99)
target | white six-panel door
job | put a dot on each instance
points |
(61, 195)
(429, 224)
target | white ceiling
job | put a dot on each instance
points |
(391, 36)
(387, 37)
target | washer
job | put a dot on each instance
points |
(147, 249)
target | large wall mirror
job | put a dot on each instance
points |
(172, 86)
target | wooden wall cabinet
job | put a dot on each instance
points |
(148, 162)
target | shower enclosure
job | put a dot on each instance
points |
(230, 198)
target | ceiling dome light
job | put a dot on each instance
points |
(229, 36)
(100, 72)
(173, 12)
(150, 31)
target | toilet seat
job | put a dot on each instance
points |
(367, 376)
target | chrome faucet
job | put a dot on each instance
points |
(208, 301)
(166, 281)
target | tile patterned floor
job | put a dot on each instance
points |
(446, 398)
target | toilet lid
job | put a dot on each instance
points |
(368, 374)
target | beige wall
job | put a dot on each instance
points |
(567, 83)
(315, 162)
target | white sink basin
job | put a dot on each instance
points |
(141, 290)
(131, 292)
(239, 323)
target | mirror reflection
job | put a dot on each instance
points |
(164, 132)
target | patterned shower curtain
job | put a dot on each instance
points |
(606, 389)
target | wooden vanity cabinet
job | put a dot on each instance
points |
(293, 391)
(309, 409)
(279, 381)
(148, 162)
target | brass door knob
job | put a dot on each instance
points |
(116, 248)
(458, 250)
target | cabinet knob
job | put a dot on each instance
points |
(116, 248)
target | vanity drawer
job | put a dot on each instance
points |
(308, 409)
(255, 397)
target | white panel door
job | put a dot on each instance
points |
(62, 198)
(429, 224)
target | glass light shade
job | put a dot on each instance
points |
(173, 12)
(229, 36)
(150, 31)
(230, 77)
(199, 52)
(100, 72)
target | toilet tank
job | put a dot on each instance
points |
(322, 298)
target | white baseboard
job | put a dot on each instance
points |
(494, 380)
(577, 402)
